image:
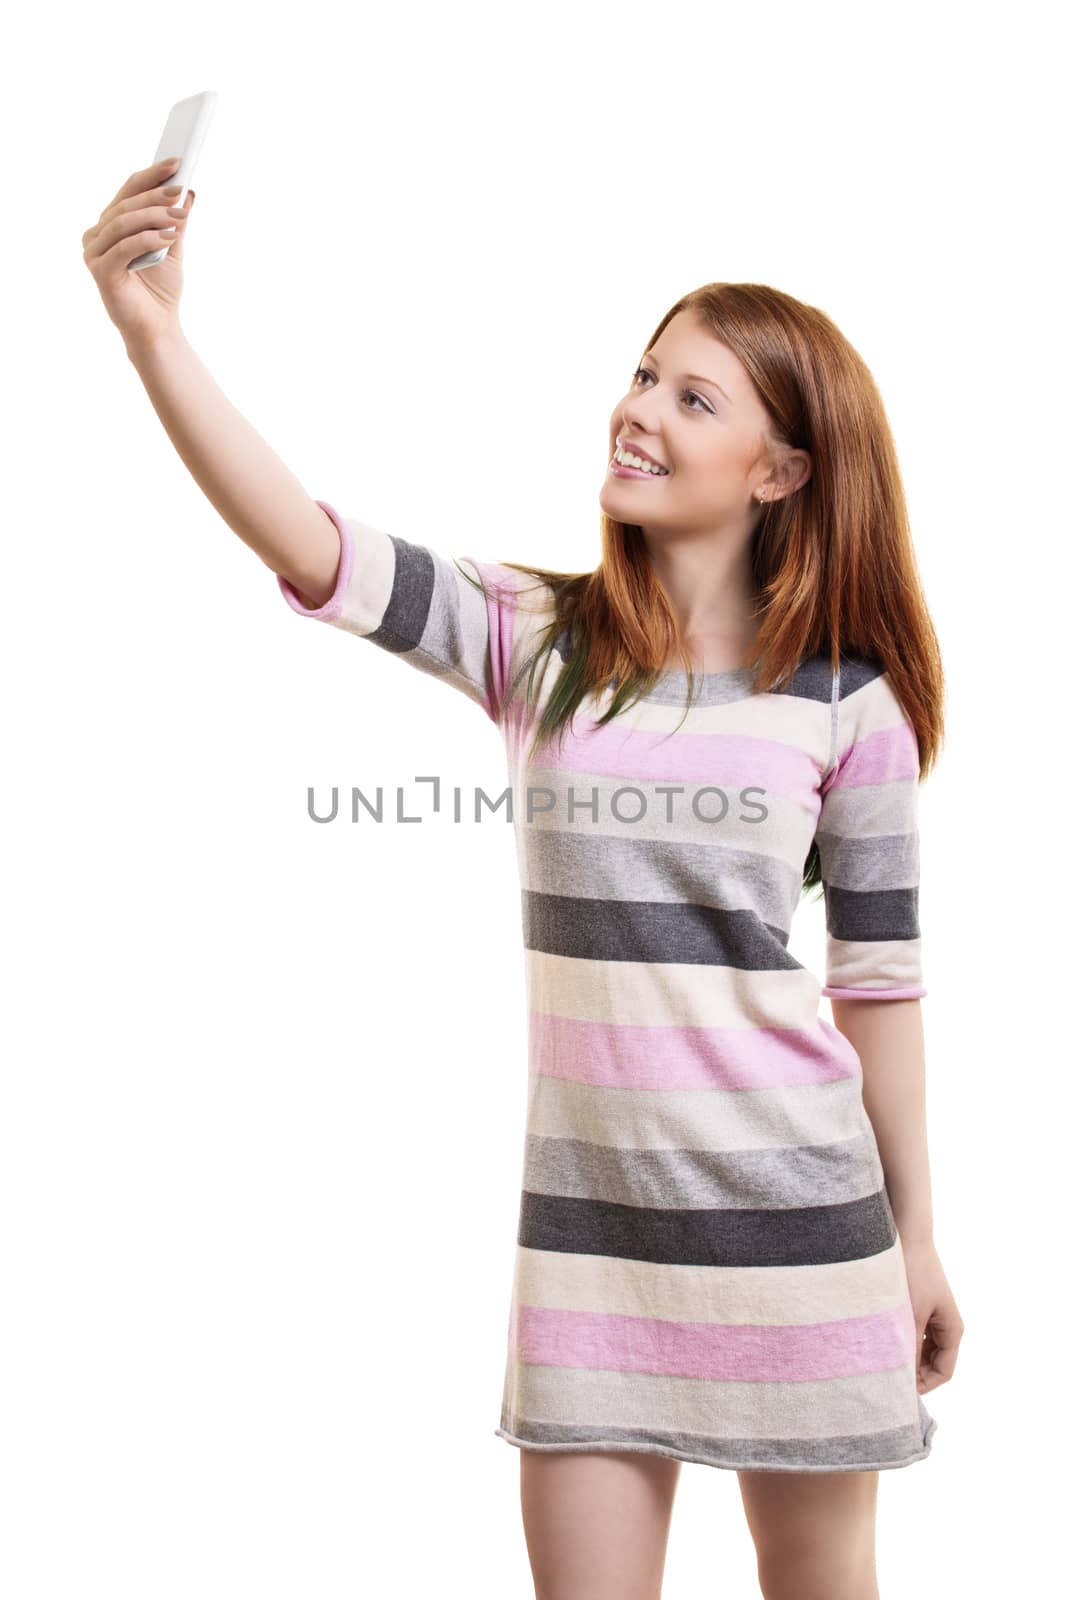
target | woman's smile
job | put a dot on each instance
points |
(627, 463)
(617, 470)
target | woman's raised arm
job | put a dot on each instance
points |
(249, 486)
(402, 596)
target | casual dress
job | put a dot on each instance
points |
(707, 1264)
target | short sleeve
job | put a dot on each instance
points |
(868, 840)
(413, 602)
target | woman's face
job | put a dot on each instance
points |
(691, 408)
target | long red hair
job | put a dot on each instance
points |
(834, 564)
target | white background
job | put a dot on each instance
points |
(264, 1080)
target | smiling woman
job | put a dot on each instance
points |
(708, 1265)
(708, 1261)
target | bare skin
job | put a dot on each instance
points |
(813, 1533)
(597, 1523)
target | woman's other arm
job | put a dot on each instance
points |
(887, 1035)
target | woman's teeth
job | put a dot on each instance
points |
(626, 459)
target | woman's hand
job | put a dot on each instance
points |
(142, 305)
(938, 1324)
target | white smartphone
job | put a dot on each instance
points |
(183, 134)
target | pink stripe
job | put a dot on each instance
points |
(330, 608)
(731, 1352)
(875, 994)
(629, 1056)
(880, 758)
(730, 760)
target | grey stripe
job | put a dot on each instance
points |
(563, 861)
(850, 1452)
(826, 1174)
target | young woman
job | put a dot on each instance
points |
(725, 1251)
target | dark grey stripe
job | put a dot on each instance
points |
(874, 915)
(404, 621)
(642, 930)
(797, 1236)
(856, 672)
(811, 681)
(436, 620)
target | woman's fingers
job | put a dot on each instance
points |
(126, 224)
(139, 187)
(148, 178)
(939, 1347)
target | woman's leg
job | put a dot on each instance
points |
(813, 1532)
(596, 1522)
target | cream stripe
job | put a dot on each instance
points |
(672, 994)
(816, 1409)
(563, 1280)
(370, 584)
(792, 720)
(895, 963)
(870, 810)
(872, 708)
(696, 1119)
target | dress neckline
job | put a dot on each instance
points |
(709, 688)
(671, 688)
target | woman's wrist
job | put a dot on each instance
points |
(143, 347)
(915, 1235)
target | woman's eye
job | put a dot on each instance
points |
(642, 372)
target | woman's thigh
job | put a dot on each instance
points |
(814, 1533)
(596, 1522)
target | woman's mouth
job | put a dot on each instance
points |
(624, 464)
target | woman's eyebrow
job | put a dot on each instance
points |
(694, 377)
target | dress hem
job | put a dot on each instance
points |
(614, 1446)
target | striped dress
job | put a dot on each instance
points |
(707, 1264)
